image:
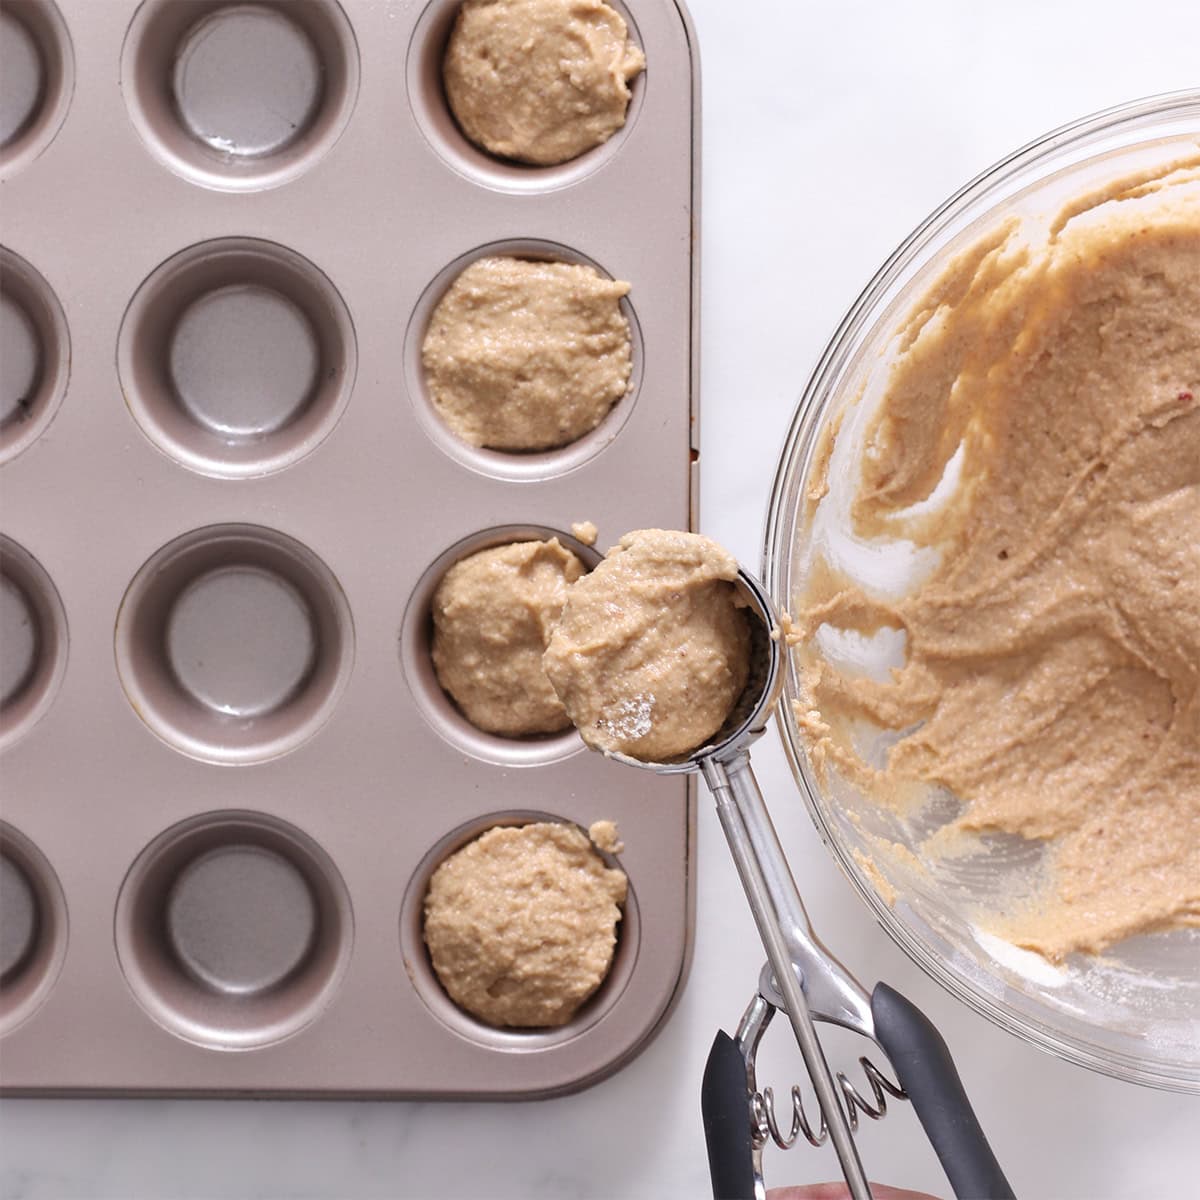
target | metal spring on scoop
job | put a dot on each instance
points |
(764, 1123)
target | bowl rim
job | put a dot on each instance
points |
(818, 394)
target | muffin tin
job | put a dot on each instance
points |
(228, 770)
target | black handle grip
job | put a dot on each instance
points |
(725, 1105)
(927, 1073)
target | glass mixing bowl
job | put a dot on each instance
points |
(1133, 1012)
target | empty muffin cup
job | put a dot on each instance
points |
(430, 107)
(237, 357)
(33, 931)
(233, 929)
(33, 641)
(419, 966)
(233, 644)
(416, 642)
(37, 76)
(240, 96)
(508, 464)
(19, 930)
(35, 355)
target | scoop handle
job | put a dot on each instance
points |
(925, 1070)
(725, 1106)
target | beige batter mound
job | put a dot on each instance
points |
(539, 81)
(521, 923)
(653, 649)
(492, 616)
(527, 355)
(586, 532)
(1053, 658)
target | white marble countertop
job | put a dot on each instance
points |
(830, 130)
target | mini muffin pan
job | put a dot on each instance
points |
(228, 769)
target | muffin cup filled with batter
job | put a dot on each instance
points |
(521, 923)
(492, 616)
(472, 638)
(525, 354)
(539, 81)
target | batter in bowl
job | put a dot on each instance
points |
(521, 923)
(1040, 434)
(539, 81)
(653, 647)
(492, 616)
(527, 355)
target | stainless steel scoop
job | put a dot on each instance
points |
(809, 984)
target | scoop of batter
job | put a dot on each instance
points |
(527, 355)
(539, 81)
(521, 923)
(1052, 677)
(653, 647)
(492, 616)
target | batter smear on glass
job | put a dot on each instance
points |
(1051, 673)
